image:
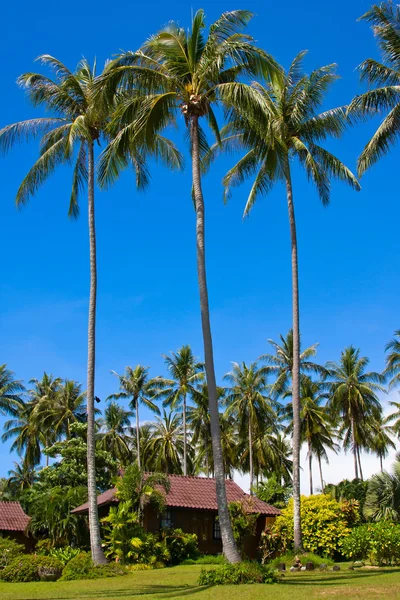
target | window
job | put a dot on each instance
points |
(166, 519)
(216, 528)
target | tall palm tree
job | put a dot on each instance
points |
(136, 385)
(166, 444)
(353, 398)
(385, 22)
(78, 122)
(248, 401)
(278, 123)
(186, 372)
(42, 401)
(392, 369)
(113, 435)
(29, 437)
(10, 392)
(315, 424)
(188, 72)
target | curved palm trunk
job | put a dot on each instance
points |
(228, 541)
(184, 437)
(251, 458)
(320, 474)
(137, 434)
(296, 363)
(94, 527)
(310, 469)
(359, 463)
(353, 435)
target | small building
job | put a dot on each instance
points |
(191, 505)
(14, 523)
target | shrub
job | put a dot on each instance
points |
(243, 519)
(323, 525)
(305, 557)
(82, 567)
(271, 543)
(181, 546)
(29, 567)
(378, 542)
(9, 551)
(64, 554)
(244, 572)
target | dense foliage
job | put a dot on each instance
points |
(240, 573)
(9, 551)
(377, 542)
(82, 567)
(29, 567)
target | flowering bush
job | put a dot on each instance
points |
(378, 542)
(9, 551)
(323, 525)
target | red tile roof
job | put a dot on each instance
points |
(12, 517)
(197, 493)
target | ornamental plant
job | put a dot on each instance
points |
(324, 526)
(377, 542)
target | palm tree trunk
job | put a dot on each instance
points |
(296, 363)
(94, 527)
(184, 437)
(310, 469)
(359, 463)
(381, 462)
(137, 433)
(353, 435)
(228, 541)
(251, 458)
(320, 474)
(207, 460)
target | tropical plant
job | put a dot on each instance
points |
(316, 428)
(244, 521)
(392, 349)
(113, 436)
(136, 385)
(21, 477)
(10, 392)
(273, 492)
(385, 23)
(353, 399)
(185, 372)
(166, 444)
(378, 542)
(187, 72)
(379, 438)
(248, 402)
(383, 495)
(29, 437)
(279, 122)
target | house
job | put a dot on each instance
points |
(191, 504)
(14, 523)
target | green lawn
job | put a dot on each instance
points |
(181, 582)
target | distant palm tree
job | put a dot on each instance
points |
(136, 385)
(383, 495)
(188, 72)
(379, 438)
(29, 437)
(353, 399)
(21, 477)
(113, 435)
(395, 416)
(166, 443)
(277, 123)
(248, 401)
(186, 372)
(315, 424)
(392, 369)
(385, 22)
(42, 401)
(10, 392)
(62, 406)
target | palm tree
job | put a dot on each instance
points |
(385, 22)
(185, 372)
(66, 405)
(29, 437)
(166, 444)
(379, 438)
(10, 392)
(113, 435)
(136, 385)
(280, 122)
(315, 425)
(248, 401)
(42, 403)
(353, 398)
(392, 369)
(395, 416)
(188, 72)
(78, 123)
(21, 477)
(383, 495)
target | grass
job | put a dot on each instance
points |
(181, 583)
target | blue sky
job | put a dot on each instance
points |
(148, 299)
